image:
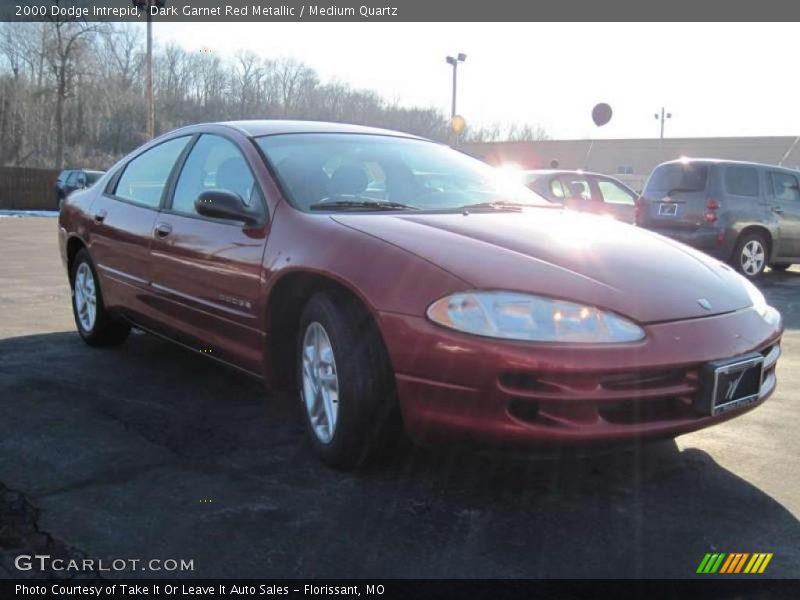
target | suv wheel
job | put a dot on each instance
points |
(345, 380)
(95, 324)
(750, 256)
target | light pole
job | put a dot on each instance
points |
(663, 117)
(150, 125)
(459, 58)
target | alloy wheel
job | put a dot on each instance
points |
(753, 257)
(85, 296)
(320, 382)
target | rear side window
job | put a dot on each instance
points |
(613, 193)
(741, 181)
(785, 187)
(146, 175)
(678, 177)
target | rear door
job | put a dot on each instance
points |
(675, 196)
(123, 218)
(783, 197)
(617, 199)
(207, 272)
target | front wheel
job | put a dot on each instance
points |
(95, 324)
(750, 255)
(346, 383)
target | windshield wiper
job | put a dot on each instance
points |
(359, 202)
(500, 205)
(681, 190)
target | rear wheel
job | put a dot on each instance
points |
(95, 324)
(346, 383)
(750, 255)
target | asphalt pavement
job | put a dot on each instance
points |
(147, 451)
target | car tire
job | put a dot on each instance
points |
(751, 254)
(780, 266)
(346, 384)
(96, 325)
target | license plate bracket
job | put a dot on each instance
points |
(732, 383)
(667, 209)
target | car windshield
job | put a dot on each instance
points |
(678, 177)
(376, 172)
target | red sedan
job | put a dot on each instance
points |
(391, 280)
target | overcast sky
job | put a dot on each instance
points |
(716, 79)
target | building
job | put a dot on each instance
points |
(632, 160)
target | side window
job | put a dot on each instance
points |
(146, 175)
(613, 193)
(214, 163)
(741, 181)
(785, 187)
(73, 178)
(576, 187)
(557, 189)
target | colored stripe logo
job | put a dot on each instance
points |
(736, 562)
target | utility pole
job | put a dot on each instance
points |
(664, 115)
(150, 124)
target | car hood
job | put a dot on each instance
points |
(565, 254)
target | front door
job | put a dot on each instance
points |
(783, 197)
(207, 272)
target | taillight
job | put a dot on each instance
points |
(711, 210)
(638, 206)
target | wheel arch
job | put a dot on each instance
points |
(285, 302)
(74, 245)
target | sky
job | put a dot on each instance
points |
(731, 79)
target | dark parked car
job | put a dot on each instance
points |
(74, 179)
(326, 258)
(743, 213)
(588, 192)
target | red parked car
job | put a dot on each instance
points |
(389, 279)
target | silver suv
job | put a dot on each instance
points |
(747, 214)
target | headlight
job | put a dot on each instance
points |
(514, 316)
(768, 313)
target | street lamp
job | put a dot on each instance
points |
(151, 103)
(459, 58)
(663, 117)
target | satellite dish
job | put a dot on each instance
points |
(601, 114)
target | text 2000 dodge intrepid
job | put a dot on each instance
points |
(394, 281)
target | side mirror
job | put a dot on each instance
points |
(223, 204)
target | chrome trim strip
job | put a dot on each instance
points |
(122, 274)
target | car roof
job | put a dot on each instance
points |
(257, 128)
(564, 172)
(724, 161)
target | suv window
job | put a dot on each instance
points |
(678, 177)
(785, 187)
(214, 163)
(146, 175)
(614, 193)
(73, 178)
(741, 181)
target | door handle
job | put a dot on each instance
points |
(777, 210)
(163, 229)
(100, 216)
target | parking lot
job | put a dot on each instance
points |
(148, 451)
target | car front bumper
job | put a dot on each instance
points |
(513, 394)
